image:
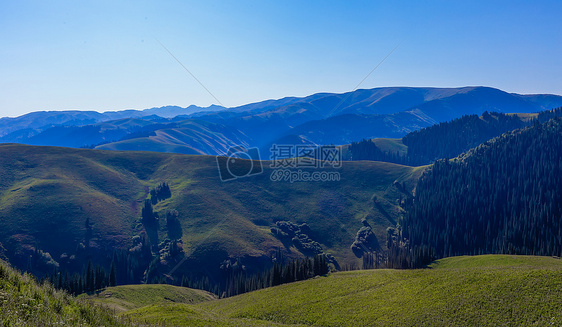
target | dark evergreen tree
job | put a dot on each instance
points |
(149, 220)
(112, 275)
(173, 225)
(90, 278)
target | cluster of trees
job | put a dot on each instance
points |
(161, 192)
(295, 270)
(373, 260)
(90, 280)
(365, 241)
(547, 115)
(151, 223)
(368, 150)
(173, 225)
(127, 267)
(130, 266)
(236, 280)
(298, 235)
(442, 141)
(501, 197)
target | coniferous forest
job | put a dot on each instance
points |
(448, 140)
(501, 197)
(444, 140)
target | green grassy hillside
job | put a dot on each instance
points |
(48, 193)
(148, 144)
(385, 144)
(491, 290)
(127, 297)
(25, 303)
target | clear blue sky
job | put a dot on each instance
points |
(103, 55)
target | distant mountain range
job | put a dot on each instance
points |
(322, 118)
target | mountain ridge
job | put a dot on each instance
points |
(387, 112)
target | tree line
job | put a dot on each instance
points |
(501, 197)
(443, 140)
(238, 281)
(232, 282)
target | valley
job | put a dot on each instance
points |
(48, 194)
(156, 224)
(280, 163)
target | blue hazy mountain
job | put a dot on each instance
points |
(322, 118)
(43, 120)
(382, 112)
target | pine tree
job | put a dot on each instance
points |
(89, 278)
(112, 275)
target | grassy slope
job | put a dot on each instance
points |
(189, 137)
(486, 290)
(192, 316)
(526, 116)
(385, 144)
(127, 297)
(150, 144)
(391, 145)
(25, 303)
(46, 194)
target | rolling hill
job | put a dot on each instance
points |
(187, 137)
(65, 206)
(489, 290)
(129, 297)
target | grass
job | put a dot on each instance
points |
(491, 290)
(47, 193)
(391, 145)
(148, 143)
(497, 261)
(525, 116)
(127, 297)
(192, 316)
(384, 144)
(25, 303)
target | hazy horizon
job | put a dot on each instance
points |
(288, 96)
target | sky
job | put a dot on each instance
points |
(111, 55)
